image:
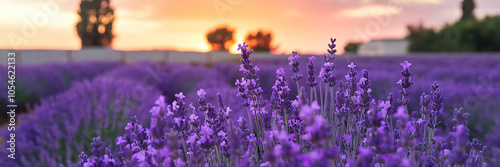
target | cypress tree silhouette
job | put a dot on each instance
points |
(468, 9)
(96, 23)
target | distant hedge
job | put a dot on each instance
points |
(468, 35)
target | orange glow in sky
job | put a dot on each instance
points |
(297, 25)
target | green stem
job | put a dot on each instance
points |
(332, 102)
(297, 82)
(311, 96)
(218, 155)
(260, 118)
(256, 153)
(185, 151)
(321, 98)
(326, 97)
(286, 123)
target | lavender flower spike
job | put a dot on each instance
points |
(405, 83)
(294, 62)
(249, 71)
(311, 79)
(351, 79)
(331, 46)
(327, 72)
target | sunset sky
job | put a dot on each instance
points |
(300, 25)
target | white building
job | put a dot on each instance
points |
(384, 47)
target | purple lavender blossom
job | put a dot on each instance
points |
(459, 155)
(364, 91)
(311, 78)
(250, 80)
(99, 106)
(100, 157)
(405, 83)
(294, 62)
(280, 96)
(50, 79)
(437, 99)
(292, 132)
(332, 46)
(351, 79)
(326, 73)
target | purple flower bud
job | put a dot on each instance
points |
(400, 114)
(460, 117)
(180, 95)
(347, 139)
(475, 144)
(161, 102)
(83, 158)
(97, 146)
(129, 126)
(406, 65)
(201, 93)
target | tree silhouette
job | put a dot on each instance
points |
(468, 9)
(260, 41)
(96, 22)
(352, 47)
(221, 38)
(422, 39)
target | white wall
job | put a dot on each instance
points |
(384, 47)
(95, 54)
(102, 54)
(138, 56)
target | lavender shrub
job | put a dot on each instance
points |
(346, 127)
(169, 78)
(40, 81)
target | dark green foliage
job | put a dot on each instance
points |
(260, 41)
(421, 38)
(221, 38)
(96, 22)
(352, 47)
(469, 35)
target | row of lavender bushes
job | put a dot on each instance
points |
(338, 123)
(39, 81)
(63, 124)
(173, 78)
(474, 74)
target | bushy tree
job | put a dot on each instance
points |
(488, 34)
(260, 41)
(221, 38)
(96, 23)
(352, 47)
(421, 38)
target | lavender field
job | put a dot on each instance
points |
(306, 110)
